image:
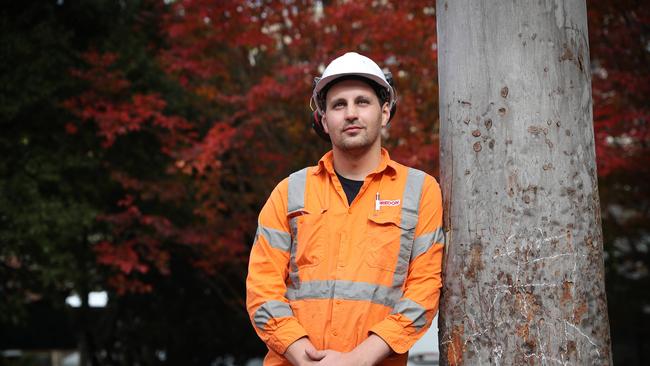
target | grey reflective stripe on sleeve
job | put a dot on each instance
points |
(269, 310)
(410, 208)
(296, 191)
(345, 290)
(276, 238)
(413, 311)
(425, 241)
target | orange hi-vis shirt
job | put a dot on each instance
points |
(336, 272)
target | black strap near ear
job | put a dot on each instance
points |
(317, 125)
(393, 108)
(389, 77)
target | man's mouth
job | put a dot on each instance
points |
(352, 128)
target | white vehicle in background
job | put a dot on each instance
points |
(425, 350)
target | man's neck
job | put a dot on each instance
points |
(356, 165)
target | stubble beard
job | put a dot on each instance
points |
(359, 144)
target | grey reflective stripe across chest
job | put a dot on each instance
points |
(409, 217)
(295, 203)
(296, 191)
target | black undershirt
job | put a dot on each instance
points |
(350, 187)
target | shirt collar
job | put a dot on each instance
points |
(326, 163)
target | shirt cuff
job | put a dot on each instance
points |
(284, 336)
(399, 339)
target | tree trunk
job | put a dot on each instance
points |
(523, 271)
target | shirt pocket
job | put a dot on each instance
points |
(309, 238)
(386, 231)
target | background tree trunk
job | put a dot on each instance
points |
(524, 276)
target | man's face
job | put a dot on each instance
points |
(353, 116)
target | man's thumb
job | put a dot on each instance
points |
(314, 354)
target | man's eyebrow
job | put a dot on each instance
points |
(336, 100)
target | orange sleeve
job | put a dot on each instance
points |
(414, 312)
(268, 268)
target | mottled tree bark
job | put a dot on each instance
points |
(523, 271)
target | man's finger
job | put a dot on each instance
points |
(314, 354)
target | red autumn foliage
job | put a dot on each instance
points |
(115, 108)
(246, 69)
(621, 84)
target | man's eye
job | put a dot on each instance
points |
(363, 101)
(338, 104)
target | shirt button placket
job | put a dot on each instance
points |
(343, 252)
(340, 266)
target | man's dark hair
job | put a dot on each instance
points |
(382, 93)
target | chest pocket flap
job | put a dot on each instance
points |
(389, 238)
(308, 231)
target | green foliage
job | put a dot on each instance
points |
(48, 181)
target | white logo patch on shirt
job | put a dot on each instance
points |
(389, 202)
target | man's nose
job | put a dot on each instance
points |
(351, 112)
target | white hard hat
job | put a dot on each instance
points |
(353, 63)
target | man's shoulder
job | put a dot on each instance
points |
(294, 177)
(405, 170)
(300, 173)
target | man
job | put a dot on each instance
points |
(345, 269)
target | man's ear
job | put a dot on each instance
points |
(324, 123)
(385, 114)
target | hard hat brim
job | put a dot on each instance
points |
(322, 83)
